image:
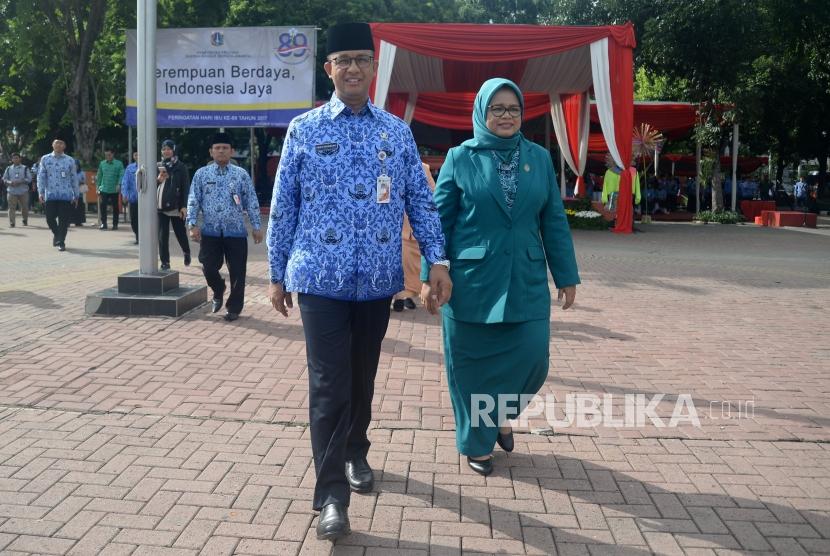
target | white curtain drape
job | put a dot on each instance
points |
(560, 127)
(386, 61)
(602, 91)
(409, 113)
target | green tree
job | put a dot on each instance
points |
(72, 28)
(709, 45)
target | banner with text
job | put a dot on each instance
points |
(232, 77)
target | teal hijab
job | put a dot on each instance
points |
(483, 138)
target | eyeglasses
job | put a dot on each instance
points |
(345, 62)
(498, 111)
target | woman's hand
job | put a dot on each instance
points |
(427, 298)
(569, 294)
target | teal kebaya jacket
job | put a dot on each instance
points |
(499, 258)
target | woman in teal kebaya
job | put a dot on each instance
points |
(505, 226)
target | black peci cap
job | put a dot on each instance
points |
(221, 138)
(349, 36)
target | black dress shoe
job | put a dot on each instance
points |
(360, 476)
(102, 227)
(187, 259)
(165, 266)
(333, 522)
(216, 304)
(25, 223)
(397, 305)
(505, 441)
(230, 317)
(11, 225)
(408, 303)
(482, 467)
(61, 247)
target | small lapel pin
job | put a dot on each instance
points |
(527, 167)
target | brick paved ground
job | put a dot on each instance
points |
(188, 436)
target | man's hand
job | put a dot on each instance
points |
(41, 198)
(183, 213)
(280, 299)
(257, 234)
(569, 294)
(196, 233)
(439, 289)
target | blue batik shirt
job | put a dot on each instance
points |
(212, 193)
(327, 234)
(57, 178)
(128, 187)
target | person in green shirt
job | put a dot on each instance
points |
(108, 180)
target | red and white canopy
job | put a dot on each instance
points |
(563, 63)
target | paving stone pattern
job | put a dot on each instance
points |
(190, 435)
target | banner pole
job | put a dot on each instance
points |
(146, 138)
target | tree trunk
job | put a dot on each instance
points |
(717, 186)
(85, 121)
(79, 27)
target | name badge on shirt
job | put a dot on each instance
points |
(327, 149)
(63, 174)
(237, 200)
(384, 189)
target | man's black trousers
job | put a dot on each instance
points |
(134, 218)
(233, 251)
(58, 214)
(109, 199)
(343, 341)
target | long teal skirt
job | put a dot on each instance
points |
(484, 362)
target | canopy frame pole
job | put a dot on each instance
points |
(697, 178)
(735, 144)
(547, 132)
(251, 154)
(563, 190)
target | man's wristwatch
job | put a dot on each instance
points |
(444, 262)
